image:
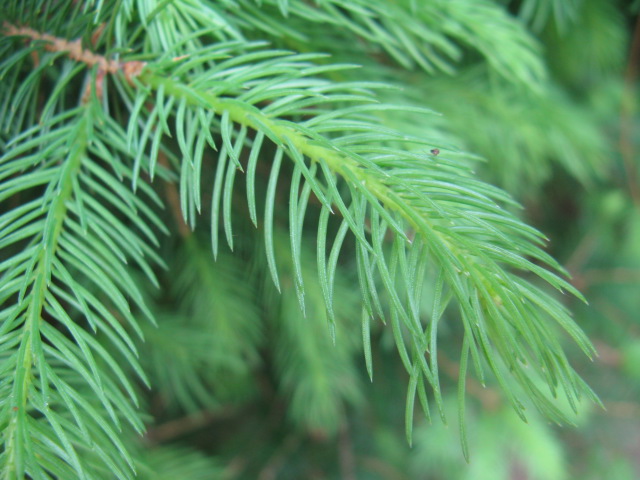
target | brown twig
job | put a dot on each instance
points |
(173, 198)
(74, 50)
(608, 355)
(182, 426)
(581, 254)
(489, 397)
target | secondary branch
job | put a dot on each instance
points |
(74, 51)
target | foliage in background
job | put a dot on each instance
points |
(221, 220)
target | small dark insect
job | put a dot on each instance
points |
(435, 151)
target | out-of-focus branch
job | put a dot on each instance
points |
(176, 428)
(171, 192)
(489, 397)
(627, 110)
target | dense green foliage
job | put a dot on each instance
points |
(282, 239)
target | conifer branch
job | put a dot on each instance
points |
(349, 195)
(30, 351)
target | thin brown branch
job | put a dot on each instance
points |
(489, 397)
(95, 36)
(581, 254)
(173, 198)
(74, 50)
(608, 355)
(176, 428)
